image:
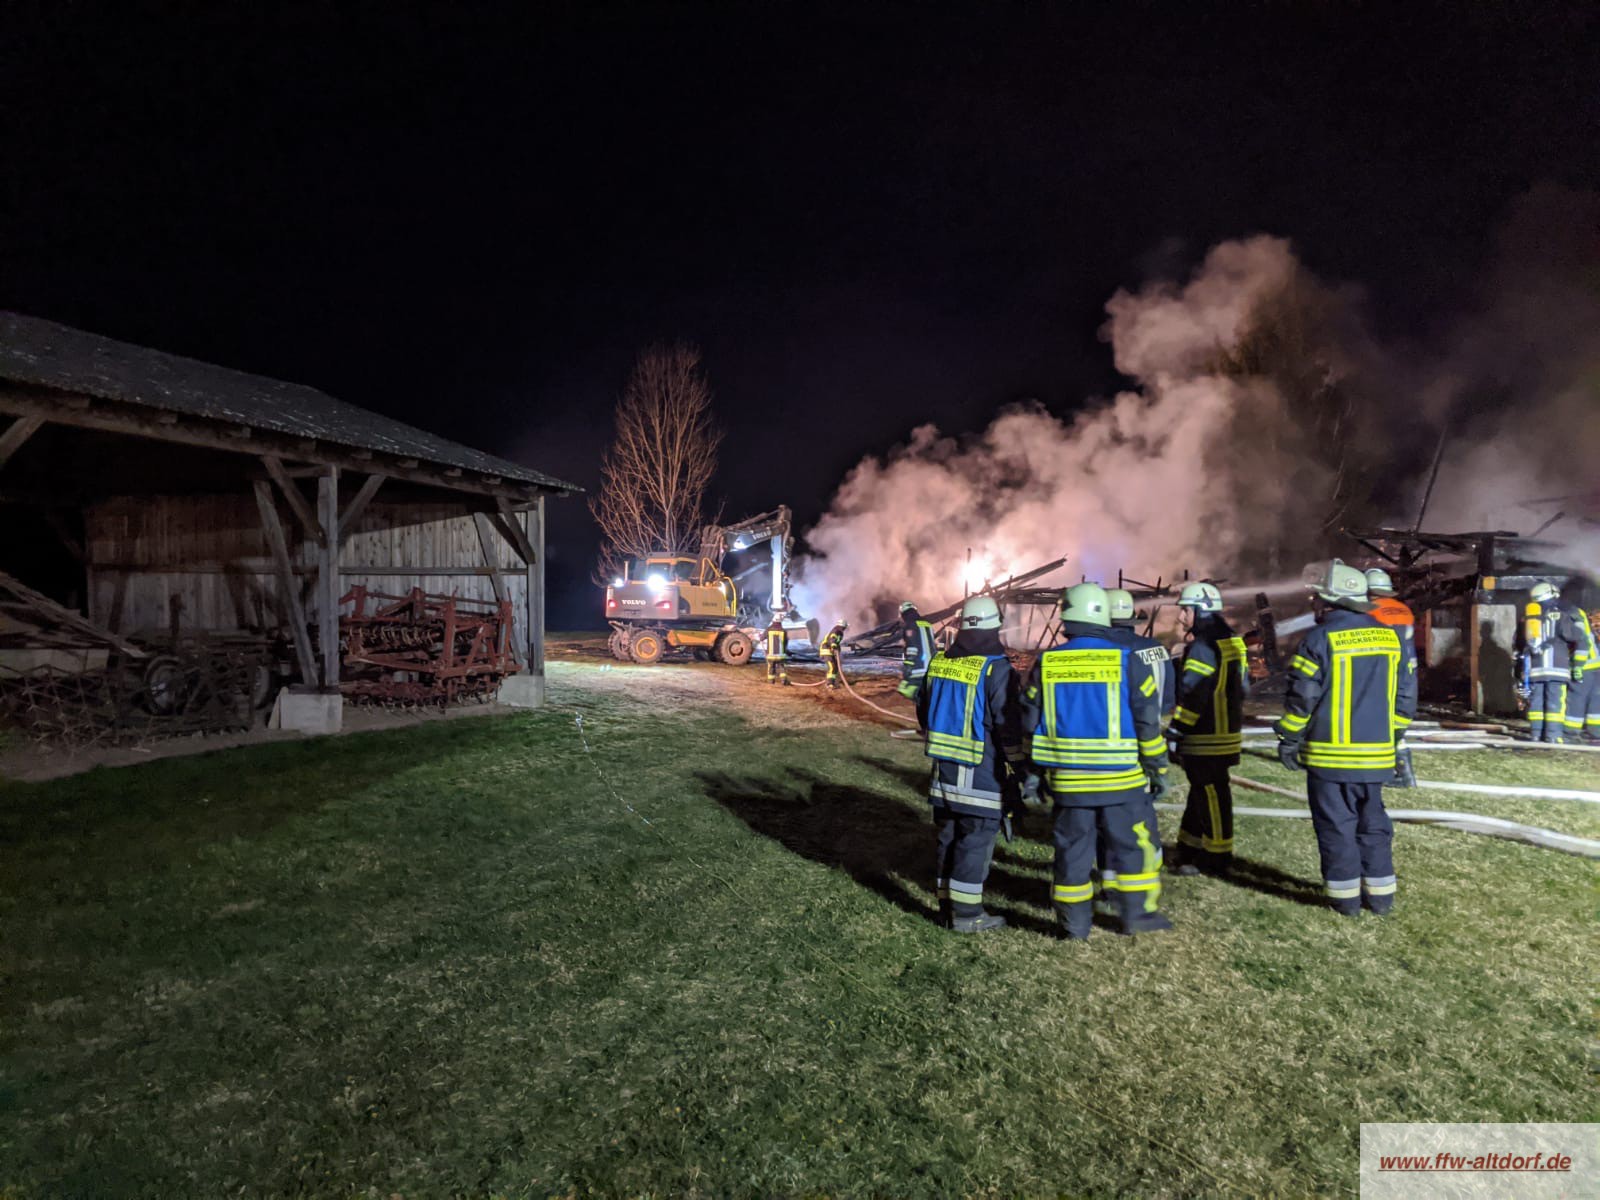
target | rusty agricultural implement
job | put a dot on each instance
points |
(422, 648)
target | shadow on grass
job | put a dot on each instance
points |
(878, 840)
(1270, 881)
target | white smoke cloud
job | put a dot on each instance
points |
(1132, 484)
(1198, 470)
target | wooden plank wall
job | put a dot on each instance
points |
(210, 552)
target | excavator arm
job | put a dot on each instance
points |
(717, 541)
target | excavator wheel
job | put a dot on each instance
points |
(645, 647)
(734, 649)
(617, 643)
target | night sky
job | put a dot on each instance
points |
(868, 216)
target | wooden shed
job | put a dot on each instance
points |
(196, 496)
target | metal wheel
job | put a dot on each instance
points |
(646, 647)
(734, 648)
(617, 643)
(166, 685)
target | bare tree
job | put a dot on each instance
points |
(656, 471)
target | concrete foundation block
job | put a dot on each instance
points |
(523, 690)
(308, 712)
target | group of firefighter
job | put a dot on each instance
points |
(1100, 719)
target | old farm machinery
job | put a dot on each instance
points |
(422, 648)
(67, 680)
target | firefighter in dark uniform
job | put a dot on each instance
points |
(1154, 655)
(1206, 736)
(1583, 697)
(1348, 694)
(832, 647)
(777, 651)
(1096, 720)
(918, 636)
(1388, 609)
(1550, 642)
(967, 705)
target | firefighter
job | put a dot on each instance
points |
(1348, 694)
(832, 648)
(918, 636)
(967, 704)
(1155, 656)
(1388, 609)
(1205, 737)
(1585, 679)
(1552, 645)
(1092, 705)
(777, 651)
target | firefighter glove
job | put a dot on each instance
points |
(1160, 782)
(1577, 672)
(1289, 754)
(1031, 784)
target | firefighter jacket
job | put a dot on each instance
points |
(1397, 615)
(1091, 704)
(1349, 695)
(967, 703)
(777, 642)
(1587, 655)
(919, 650)
(833, 640)
(1154, 655)
(1209, 720)
(1552, 641)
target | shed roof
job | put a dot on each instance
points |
(45, 354)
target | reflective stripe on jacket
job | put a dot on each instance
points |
(777, 644)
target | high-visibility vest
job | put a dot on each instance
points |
(777, 644)
(1085, 719)
(958, 707)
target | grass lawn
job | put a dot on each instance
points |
(455, 960)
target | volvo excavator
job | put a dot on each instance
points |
(712, 604)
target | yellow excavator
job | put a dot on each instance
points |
(700, 603)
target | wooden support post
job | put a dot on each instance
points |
(328, 578)
(16, 433)
(293, 613)
(512, 530)
(535, 538)
(486, 540)
(297, 502)
(1474, 658)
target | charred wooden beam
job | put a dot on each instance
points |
(328, 580)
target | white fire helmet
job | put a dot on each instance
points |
(1202, 597)
(1544, 591)
(1086, 603)
(1335, 581)
(1378, 582)
(1121, 602)
(980, 612)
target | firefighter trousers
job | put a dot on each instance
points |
(1133, 863)
(964, 849)
(1583, 706)
(1547, 710)
(831, 658)
(777, 670)
(1355, 840)
(1206, 832)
